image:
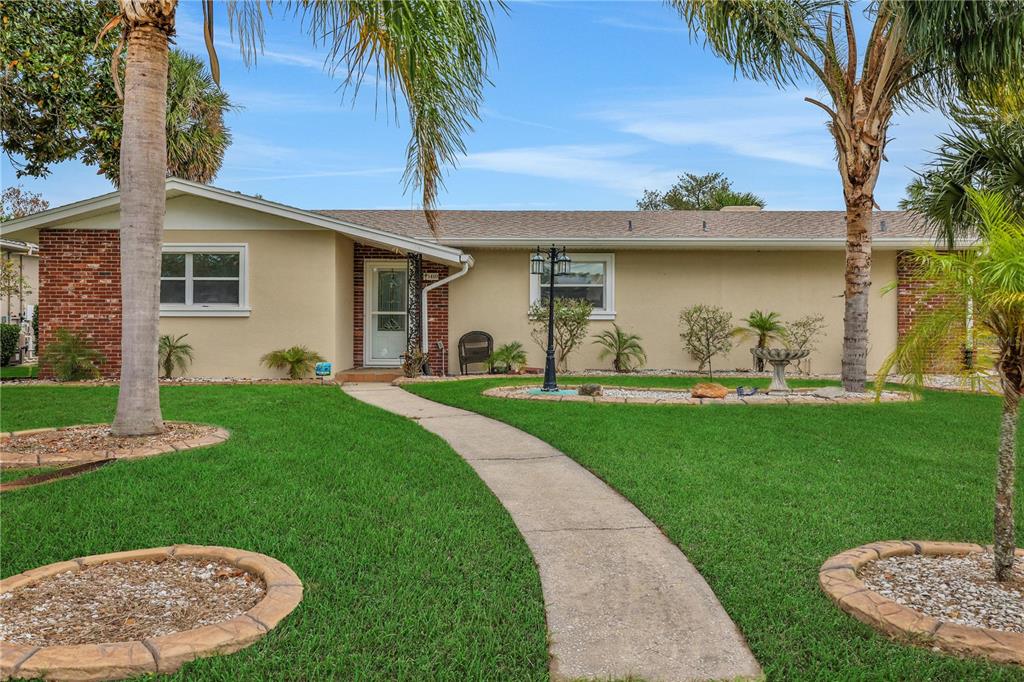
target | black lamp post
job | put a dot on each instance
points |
(559, 264)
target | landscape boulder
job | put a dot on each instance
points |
(709, 391)
(590, 389)
(831, 392)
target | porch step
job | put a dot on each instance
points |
(368, 375)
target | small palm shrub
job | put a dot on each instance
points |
(298, 360)
(9, 335)
(510, 358)
(174, 354)
(623, 348)
(72, 357)
(413, 363)
(763, 327)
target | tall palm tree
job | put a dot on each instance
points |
(435, 54)
(989, 278)
(916, 54)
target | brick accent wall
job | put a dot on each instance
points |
(80, 290)
(913, 298)
(437, 306)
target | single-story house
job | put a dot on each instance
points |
(243, 276)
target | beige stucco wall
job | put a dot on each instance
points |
(651, 287)
(29, 267)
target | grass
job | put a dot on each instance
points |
(759, 497)
(8, 475)
(19, 372)
(412, 569)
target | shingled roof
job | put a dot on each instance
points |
(460, 226)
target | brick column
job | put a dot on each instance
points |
(915, 297)
(437, 304)
(80, 290)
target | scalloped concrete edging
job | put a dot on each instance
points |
(24, 460)
(164, 654)
(838, 578)
(797, 397)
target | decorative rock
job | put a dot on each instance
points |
(706, 390)
(590, 389)
(830, 392)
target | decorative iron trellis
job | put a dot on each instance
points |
(414, 278)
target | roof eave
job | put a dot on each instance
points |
(692, 243)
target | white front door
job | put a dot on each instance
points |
(386, 299)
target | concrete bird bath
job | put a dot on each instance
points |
(779, 358)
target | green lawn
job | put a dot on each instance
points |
(759, 497)
(412, 569)
(8, 475)
(19, 372)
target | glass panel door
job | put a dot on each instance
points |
(388, 300)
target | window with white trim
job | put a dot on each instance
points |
(591, 277)
(203, 279)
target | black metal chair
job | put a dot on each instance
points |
(474, 348)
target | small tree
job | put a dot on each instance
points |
(174, 353)
(989, 278)
(11, 281)
(763, 327)
(804, 334)
(623, 348)
(572, 317)
(706, 332)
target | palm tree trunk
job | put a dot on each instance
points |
(858, 286)
(1005, 541)
(143, 204)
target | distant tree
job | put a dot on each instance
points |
(983, 151)
(572, 317)
(59, 103)
(12, 282)
(762, 327)
(706, 331)
(916, 54)
(18, 202)
(709, 192)
(803, 334)
(989, 278)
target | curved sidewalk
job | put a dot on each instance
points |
(621, 599)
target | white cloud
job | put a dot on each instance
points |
(617, 22)
(608, 166)
(777, 127)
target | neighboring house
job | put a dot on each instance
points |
(243, 276)
(25, 256)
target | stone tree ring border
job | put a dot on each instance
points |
(838, 578)
(164, 654)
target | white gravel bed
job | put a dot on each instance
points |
(958, 589)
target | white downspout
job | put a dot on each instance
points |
(467, 263)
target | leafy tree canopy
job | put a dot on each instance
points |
(18, 202)
(58, 102)
(691, 192)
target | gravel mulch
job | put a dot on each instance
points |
(958, 589)
(98, 437)
(122, 602)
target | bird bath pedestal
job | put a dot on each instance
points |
(779, 358)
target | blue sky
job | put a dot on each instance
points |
(590, 104)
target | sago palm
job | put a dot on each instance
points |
(763, 327)
(298, 360)
(434, 54)
(174, 353)
(509, 358)
(623, 348)
(978, 298)
(915, 54)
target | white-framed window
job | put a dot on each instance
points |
(591, 277)
(204, 279)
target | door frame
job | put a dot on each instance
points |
(369, 292)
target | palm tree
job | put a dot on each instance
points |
(174, 353)
(762, 326)
(298, 360)
(985, 149)
(989, 279)
(435, 54)
(916, 54)
(624, 348)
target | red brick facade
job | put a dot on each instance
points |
(437, 306)
(80, 290)
(913, 297)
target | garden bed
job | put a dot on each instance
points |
(684, 396)
(120, 615)
(93, 442)
(934, 594)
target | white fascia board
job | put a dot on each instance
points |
(689, 243)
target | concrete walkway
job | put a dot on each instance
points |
(621, 600)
